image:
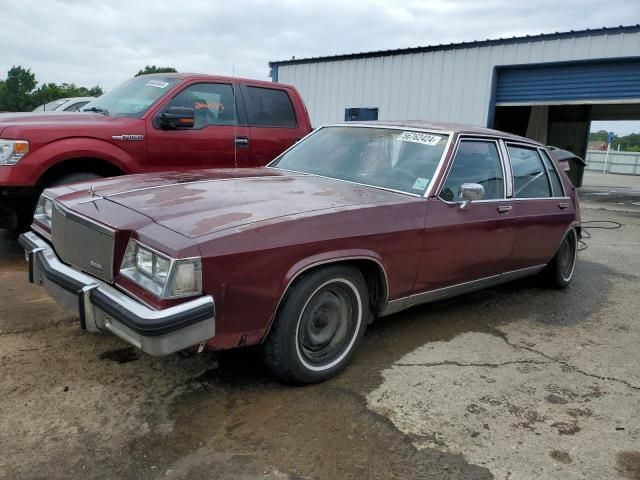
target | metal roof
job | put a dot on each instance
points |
(453, 46)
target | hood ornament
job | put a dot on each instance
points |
(94, 196)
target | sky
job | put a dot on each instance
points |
(90, 42)
(104, 42)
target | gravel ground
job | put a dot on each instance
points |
(515, 382)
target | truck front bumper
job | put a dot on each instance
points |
(100, 306)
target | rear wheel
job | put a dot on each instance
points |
(319, 325)
(559, 272)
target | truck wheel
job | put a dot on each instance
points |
(559, 270)
(318, 326)
(73, 178)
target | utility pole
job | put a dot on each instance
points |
(610, 136)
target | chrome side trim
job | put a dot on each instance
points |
(399, 304)
(541, 198)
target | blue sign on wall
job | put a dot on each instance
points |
(610, 137)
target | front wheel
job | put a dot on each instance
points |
(319, 325)
(559, 272)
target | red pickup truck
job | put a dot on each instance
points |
(149, 123)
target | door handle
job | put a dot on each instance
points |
(504, 208)
(242, 141)
(563, 205)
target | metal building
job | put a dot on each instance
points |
(548, 87)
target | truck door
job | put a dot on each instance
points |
(217, 140)
(273, 121)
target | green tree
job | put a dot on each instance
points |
(153, 69)
(15, 95)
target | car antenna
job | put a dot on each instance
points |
(235, 116)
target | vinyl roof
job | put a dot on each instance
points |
(453, 46)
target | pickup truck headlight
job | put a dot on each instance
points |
(11, 151)
(43, 211)
(163, 276)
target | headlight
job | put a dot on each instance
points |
(11, 151)
(161, 275)
(43, 211)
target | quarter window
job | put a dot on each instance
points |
(212, 103)
(556, 186)
(269, 107)
(529, 176)
(475, 162)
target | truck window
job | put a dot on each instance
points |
(269, 107)
(213, 103)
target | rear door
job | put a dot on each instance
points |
(543, 209)
(471, 243)
(219, 137)
(273, 121)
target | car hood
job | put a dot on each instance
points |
(38, 119)
(200, 203)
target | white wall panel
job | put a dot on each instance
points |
(443, 85)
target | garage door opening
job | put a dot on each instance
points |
(555, 103)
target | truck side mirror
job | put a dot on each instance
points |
(174, 118)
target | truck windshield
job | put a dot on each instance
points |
(133, 97)
(393, 159)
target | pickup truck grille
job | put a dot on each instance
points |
(82, 243)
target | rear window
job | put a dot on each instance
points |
(269, 107)
(529, 175)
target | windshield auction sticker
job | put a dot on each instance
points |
(157, 84)
(419, 137)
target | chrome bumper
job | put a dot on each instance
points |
(102, 307)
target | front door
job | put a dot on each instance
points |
(215, 141)
(474, 242)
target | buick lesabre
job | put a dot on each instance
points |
(356, 221)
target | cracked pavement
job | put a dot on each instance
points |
(515, 382)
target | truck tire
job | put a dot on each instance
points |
(73, 178)
(318, 326)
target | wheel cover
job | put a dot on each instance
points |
(568, 256)
(328, 325)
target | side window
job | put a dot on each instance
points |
(556, 185)
(213, 103)
(475, 162)
(529, 177)
(269, 107)
(75, 107)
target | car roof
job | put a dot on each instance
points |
(215, 78)
(457, 128)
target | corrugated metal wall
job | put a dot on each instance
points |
(443, 85)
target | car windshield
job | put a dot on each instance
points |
(47, 107)
(400, 160)
(133, 97)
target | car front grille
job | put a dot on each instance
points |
(82, 243)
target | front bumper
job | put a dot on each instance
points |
(102, 307)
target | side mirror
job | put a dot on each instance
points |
(174, 118)
(470, 192)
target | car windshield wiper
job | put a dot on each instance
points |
(103, 111)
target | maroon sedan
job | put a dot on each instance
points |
(355, 221)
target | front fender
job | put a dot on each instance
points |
(36, 163)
